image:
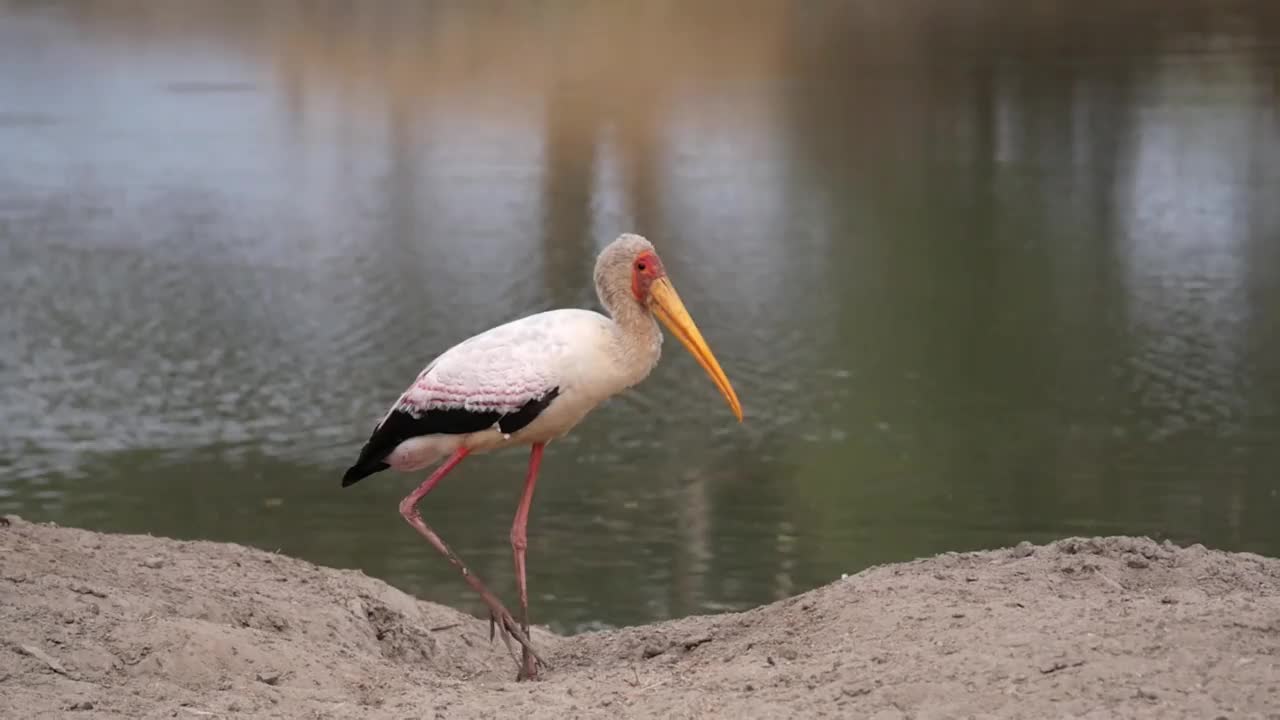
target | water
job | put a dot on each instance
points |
(981, 272)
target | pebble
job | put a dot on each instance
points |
(856, 690)
(1023, 549)
(357, 608)
(83, 589)
(1138, 562)
(82, 705)
(155, 563)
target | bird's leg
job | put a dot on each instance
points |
(497, 613)
(519, 542)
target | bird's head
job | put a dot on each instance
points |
(630, 271)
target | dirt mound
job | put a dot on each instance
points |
(96, 625)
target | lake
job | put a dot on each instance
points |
(981, 272)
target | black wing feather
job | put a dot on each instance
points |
(517, 420)
(401, 425)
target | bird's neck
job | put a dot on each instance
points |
(637, 340)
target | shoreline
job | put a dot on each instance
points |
(105, 625)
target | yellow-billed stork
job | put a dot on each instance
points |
(528, 382)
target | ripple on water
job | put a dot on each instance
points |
(952, 328)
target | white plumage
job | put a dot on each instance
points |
(576, 352)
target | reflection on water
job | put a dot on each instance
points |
(980, 274)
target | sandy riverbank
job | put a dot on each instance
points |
(95, 625)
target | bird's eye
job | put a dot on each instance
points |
(640, 266)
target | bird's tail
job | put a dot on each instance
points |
(369, 462)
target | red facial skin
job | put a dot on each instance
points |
(644, 270)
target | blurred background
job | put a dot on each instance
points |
(981, 271)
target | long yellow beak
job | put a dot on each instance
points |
(668, 308)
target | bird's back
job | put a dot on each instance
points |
(506, 363)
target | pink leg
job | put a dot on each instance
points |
(497, 613)
(519, 542)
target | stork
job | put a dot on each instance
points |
(528, 382)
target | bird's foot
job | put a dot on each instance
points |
(528, 667)
(501, 620)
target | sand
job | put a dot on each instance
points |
(96, 626)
